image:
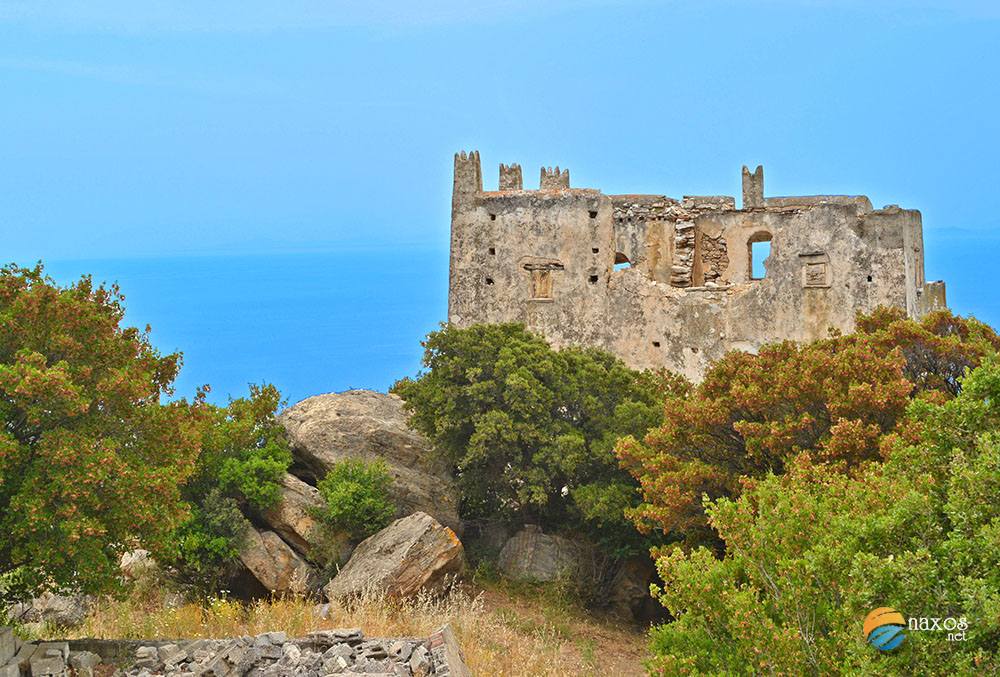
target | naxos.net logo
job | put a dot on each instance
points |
(883, 628)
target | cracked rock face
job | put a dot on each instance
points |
(275, 565)
(533, 555)
(409, 555)
(364, 424)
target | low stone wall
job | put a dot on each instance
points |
(320, 653)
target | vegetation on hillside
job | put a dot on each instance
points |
(530, 430)
(244, 456)
(505, 629)
(356, 498)
(799, 488)
(754, 414)
(809, 553)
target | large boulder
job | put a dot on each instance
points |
(293, 518)
(533, 555)
(325, 429)
(411, 554)
(274, 564)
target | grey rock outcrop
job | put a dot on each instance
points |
(38, 659)
(272, 654)
(412, 553)
(275, 565)
(533, 555)
(52, 609)
(136, 564)
(293, 519)
(325, 429)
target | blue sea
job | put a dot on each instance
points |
(308, 323)
(319, 322)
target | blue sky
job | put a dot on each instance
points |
(181, 127)
(173, 128)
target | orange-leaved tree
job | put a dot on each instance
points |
(90, 458)
(832, 399)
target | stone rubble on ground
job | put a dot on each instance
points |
(325, 652)
(41, 659)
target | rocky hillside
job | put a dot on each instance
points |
(287, 551)
(283, 554)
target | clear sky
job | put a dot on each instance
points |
(133, 129)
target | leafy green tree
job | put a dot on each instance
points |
(244, 456)
(753, 414)
(530, 430)
(811, 552)
(91, 460)
(356, 498)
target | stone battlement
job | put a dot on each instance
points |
(676, 283)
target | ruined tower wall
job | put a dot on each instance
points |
(682, 292)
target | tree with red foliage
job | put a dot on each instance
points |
(833, 399)
(90, 459)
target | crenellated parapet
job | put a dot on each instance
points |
(510, 177)
(554, 179)
(468, 177)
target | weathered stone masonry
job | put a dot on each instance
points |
(663, 282)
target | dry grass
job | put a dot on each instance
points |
(504, 631)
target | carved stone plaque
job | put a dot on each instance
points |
(816, 275)
(815, 270)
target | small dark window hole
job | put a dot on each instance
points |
(593, 214)
(595, 250)
(493, 251)
(593, 279)
(869, 278)
(656, 344)
(493, 217)
(489, 280)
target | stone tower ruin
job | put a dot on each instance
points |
(662, 282)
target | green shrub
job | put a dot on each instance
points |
(208, 543)
(356, 498)
(810, 553)
(529, 431)
(244, 456)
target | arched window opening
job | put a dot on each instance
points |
(759, 250)
(621, 261)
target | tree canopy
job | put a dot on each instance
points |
(91, 459)
(754, 414)
(530, 430)
(810, 553)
